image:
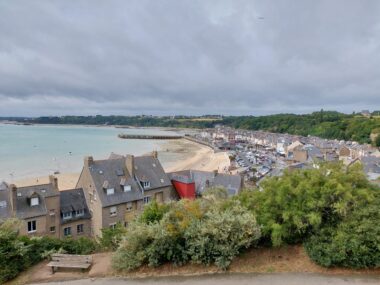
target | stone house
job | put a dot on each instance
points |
(38, 206)
(74, 213)
(117, 188)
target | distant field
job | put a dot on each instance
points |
(200, 120)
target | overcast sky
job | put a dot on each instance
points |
(188, 57)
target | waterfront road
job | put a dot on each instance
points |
(241, 279)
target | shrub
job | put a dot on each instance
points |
(111, 237)
(220, 236)
(20, 252)
(153, 212)
(354, 243)
(201, 231)
(293, 207)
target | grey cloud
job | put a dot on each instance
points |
(188, 57)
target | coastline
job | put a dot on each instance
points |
(176, 155)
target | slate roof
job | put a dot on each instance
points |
(149, 168)
(205, 179)
(71, 201)
(108, 170)
(24, 210)
(371, 165)
(5, 209)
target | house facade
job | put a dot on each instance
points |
(117, 188)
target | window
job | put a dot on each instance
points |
(113, 211)
(127, 188)
(67, 231)
(125, 224)
(32, 226)
(80, 229)
(129, 206)
(66, 215)
(145, 184)
(3, 204)
(34, 201)
(52, 229)
(147, 199)
(113, 226)
(52, 212)
(110, 191)
(79, 213)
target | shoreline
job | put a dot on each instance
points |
(175, 155)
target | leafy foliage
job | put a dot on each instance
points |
(20, 252)
(355, 243)
(202, 231)
(153, 212)
(292, 207)
(111, 237)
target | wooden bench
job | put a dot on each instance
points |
(69, 261)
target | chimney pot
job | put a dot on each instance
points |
(130, 164)
(13, 199)
(88, 160)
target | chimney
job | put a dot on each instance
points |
(130, 164)
(88, 160)
(155, 154)
(13, 197)
(53, 181)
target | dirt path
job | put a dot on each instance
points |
(241, 279)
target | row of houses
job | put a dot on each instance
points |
(109, 191)
(297, 151)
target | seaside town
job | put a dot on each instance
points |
(115, 190)
(257, 154)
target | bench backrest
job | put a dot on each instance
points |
(71, 258)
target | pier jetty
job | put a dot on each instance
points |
(149, 137)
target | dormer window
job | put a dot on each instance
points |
(66, 215)
(34, 201)
(127, 188)
(79, 213)
(110, 191)
(145, 184)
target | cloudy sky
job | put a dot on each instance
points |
(188, 57)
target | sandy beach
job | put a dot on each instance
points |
(188, 155)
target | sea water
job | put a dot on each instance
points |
(38, 150)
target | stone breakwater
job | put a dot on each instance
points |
(149, 137)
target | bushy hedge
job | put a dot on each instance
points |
(17, 253)
(202, 231)
(298, 204)
(354, 243)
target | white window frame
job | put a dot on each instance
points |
(34, 201)
(110, 191)
(53, 230)
(67, 215)
(146, 184)
(127, 188)
(113, 211)
(112, 226)
(33, 226)
(3, 204)
(79, 213)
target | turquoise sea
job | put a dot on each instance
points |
(40, 150)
